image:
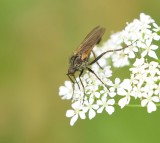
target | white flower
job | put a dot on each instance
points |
(139, 72)
(115, 85)
(92, 86)
(104, 73)
(113, 42)
(78, 111)
(151, 35)
(131, 50)
(79, 96)
(125, 91)
(137, 91)
(138, 62)
(156, 27)
(107, 71)
(132, 31)
(66, 91)
(138, 66)
(106, 104)
(90, 106)
(107, 92)
(92, 89)
(157, 90)
(152, 68)
(149, 49)
(149, 102)
(146, 20)
(150, 82)
(120, 59)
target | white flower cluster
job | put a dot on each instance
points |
(139, 38)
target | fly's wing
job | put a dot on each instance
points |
(89, 42)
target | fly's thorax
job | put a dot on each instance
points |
(83, 65)
(77, 64)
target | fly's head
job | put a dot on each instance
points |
(75, 65)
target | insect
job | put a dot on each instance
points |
(79, 61)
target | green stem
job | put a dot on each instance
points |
(136, 105)
(133, 105)
(158, 60)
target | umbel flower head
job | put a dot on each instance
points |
(142, 84)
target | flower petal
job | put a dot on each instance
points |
(99, 102)
(73, 120)
(148, 42)
(131, 55)
(97, 94)
(68, 84)
(100, 109)
(91, 100)
(70, 113)
(117, 80)
(155, 99)
(151, 107)
(144, 53)
(63, 90)
(95, 106)
(110, 109)
(85, 109)
(82, 115)
(111, 101)
(154, 47)
(121, 91)
(112, 94)
(144, 102)
(104, 98)
(91, 114)
(152, 54)
(76, 105)
(122, 102)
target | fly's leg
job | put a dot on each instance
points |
(94, 55)
(96, 76)
(81, 81)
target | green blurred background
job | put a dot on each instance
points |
(37, 38)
